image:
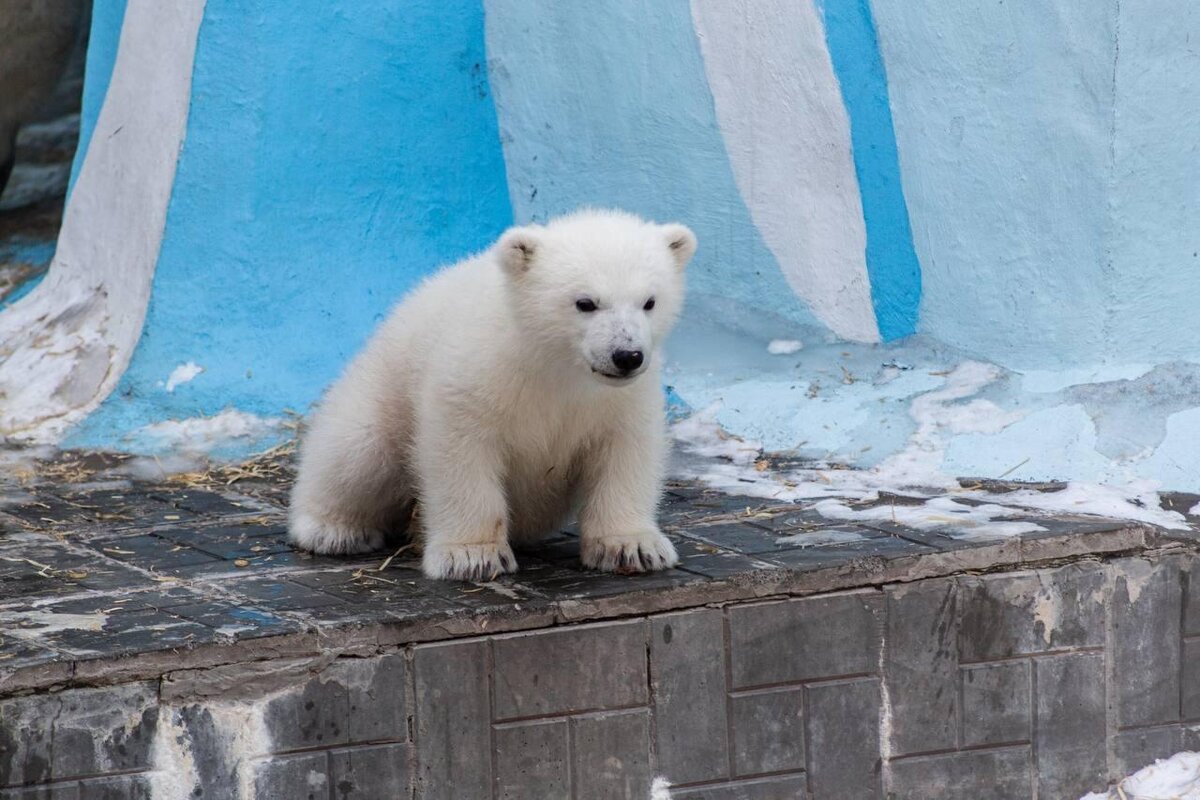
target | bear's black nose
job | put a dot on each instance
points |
(627, 360)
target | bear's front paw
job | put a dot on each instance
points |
(468, 562)
(645, 551)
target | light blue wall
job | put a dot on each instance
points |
(1003, 115)
(1154, 236)
(335, 154)
(606, 103)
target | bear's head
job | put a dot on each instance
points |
(600, 288)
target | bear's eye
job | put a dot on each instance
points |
(649, 304)
(585, 305)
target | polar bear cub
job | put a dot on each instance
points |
(508, 391)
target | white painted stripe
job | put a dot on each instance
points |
(64, 346)
(788, 136)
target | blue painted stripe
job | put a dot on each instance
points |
(107, 18)
(891, 259)
(336, 154)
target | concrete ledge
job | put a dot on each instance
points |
(158, 640)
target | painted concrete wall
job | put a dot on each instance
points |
(1015, 184)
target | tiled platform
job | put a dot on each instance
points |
(144, 568)
(787, 656)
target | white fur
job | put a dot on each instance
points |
(490, 398)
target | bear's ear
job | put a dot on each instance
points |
(517, 248)
(681, 242)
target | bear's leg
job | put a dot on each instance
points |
(621, 486)
(463, 509)
(349, 486)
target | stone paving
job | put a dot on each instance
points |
(787, 656)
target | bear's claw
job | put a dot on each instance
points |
(468, 562)
(648, 551)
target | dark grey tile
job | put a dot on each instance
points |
(996, 774)
(793, 640)
(533, 759)
(921, 666)
(843, 740)
(1005, 615)
(1071, 724)
(768, 731)
(370, 772)
(580, 668)
(687, 673)
(453, 716)
(1146, 612)
(996, 703)
(611, 755)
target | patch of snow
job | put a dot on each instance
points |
(784, 347)
(704, 437)
(820, 538)
(939, 514)
(36, 625)
(660, 789)
(204, 434)
(1174, 778)
(732, 464)
(155, 468)
(182, 374)
(1137, 501)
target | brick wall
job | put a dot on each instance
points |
(1042, 684)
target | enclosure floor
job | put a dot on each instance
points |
(102, 575)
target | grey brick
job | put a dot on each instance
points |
(301, 776)
(376, 694)
(996, 703)
(78, 733)
(26, 730)
(687, 672)
(370, 772)
(1191, 599)
(1007, 615)
(1190, 679)
(105, 730)
(312, 715)
(571, 669)
(453, 721)
(1070, 724)
(117, 787)
(843, 740)
(994, 774)
(1146, 609)
(533, 759)
(612, 755)
(1139, 748)
(35, 793)
(768, 731)
(796, 640)
(353, 700)
(59, 791)
(921, 666)
(774, 788)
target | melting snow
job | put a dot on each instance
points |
(182, 374)
(204, 434)
(784, 347)
(1174, 778)
(735, 465)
